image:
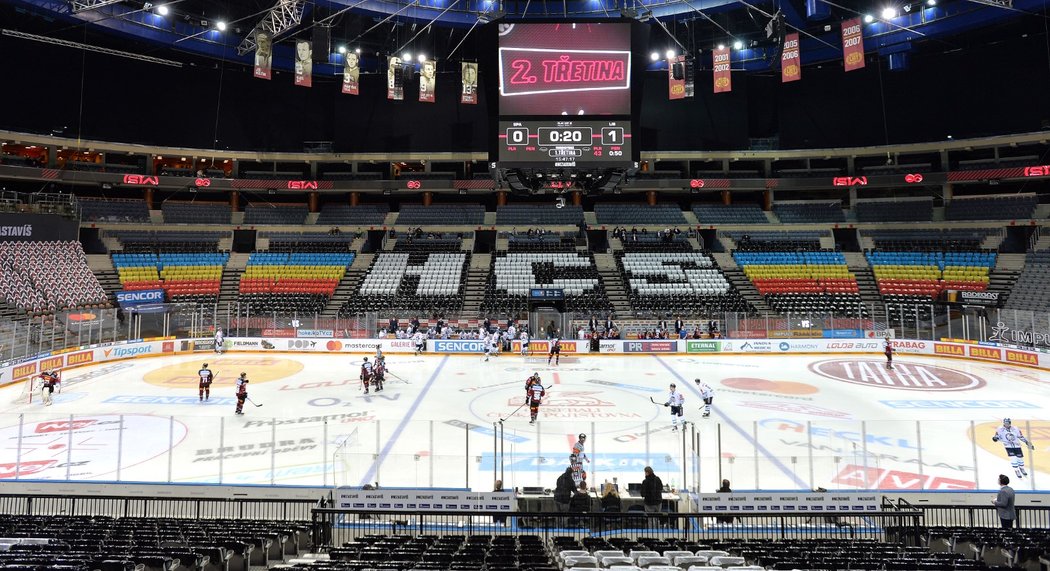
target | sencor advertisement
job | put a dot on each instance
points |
(138, 297)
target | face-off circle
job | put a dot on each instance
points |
(903, 376)
(226, 369)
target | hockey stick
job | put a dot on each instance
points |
(398, 378)
(251, 401)
(659, 403)
(525, 403)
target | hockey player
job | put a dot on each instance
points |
(379, 374)
(487, 346)
(1011, 438)
(534, 379)
(577, 448)
(219, 340)
(706, 393)
(48, 382)
(578, 474)
(204, 386)
(675, 400)
(888, 349)
(242, 392)
(420, 341)
(366, 374)
(534, 397)
(555, 352)
(524, 343)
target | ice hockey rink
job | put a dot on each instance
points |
(778, 422)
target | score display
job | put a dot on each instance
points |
(565, 143)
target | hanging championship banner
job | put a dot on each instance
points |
(852, 44)
(263, 54)
(469, 74)
(676, 77)
(395, 84)
(427, 80)
(791, 60)
(351, 73)
(723, 78)
(304, 64)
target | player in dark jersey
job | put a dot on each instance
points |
(888, 349)
(379, 374)
(242, 392)
(204, 386)
(366, 374)
(534, 397)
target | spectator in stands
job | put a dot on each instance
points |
(1004, 503)
(724, 489)
(563, 491)
(593, 323)
(581, 334)
(393, 324)
(679, 324)
(609, 325)
(611, 499)
(415, 326)
(581, 500)
(595, 342)
(652, 491)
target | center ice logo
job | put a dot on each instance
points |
(903, 376)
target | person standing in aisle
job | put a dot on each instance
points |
(1004, 503)
(652, 491)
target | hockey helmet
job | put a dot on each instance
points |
(673, 385)
(366, 359)
(697, 380)
(204, 366)
(1006, 422)
(583, 436)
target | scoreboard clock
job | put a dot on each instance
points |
(574, 144)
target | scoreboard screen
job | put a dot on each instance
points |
(574, 144)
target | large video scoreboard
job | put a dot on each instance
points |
(564, 95)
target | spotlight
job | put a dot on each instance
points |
(737, 45)
(422, 58)
(889, 13)
(721, 46)
(931, 2)
(406, 57)
(357, 50)
(670, 54)
(868, 18)
(341, 49)
(162, 10)
(580, 112)
(655, 56)
(221, 25)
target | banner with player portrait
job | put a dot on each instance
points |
(723, 74)
(676, 77)
(853, 44)
(469, 74)
(427, 80)
(304, 64)
(790, 60)
(263, 54)
(395, 85)
(351, 73)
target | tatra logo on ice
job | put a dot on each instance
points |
(903, 376)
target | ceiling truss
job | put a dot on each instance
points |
(284, 16)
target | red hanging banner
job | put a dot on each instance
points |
(790, 61)
(676, 77)
(723, 79)
(853, 44)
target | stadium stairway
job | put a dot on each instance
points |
(1004, 275)
(102, 266)
(477, 280)
(992, 241)
(866, 283)
(739, 281)
(614, 287)
(229, 287)
(349, 284)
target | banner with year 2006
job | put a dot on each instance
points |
(852, 44)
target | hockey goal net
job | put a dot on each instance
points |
(31, 389)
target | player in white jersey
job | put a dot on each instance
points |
(524, 343)
(204, 386)
(707, 394)
(420, 341)
(1011, 438)
(219, 340)
(555, 352)
(675, 400)
(578, 475)
(494, 342)
(486, 346)
(577, 449)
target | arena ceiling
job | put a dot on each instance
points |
(187, 31)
